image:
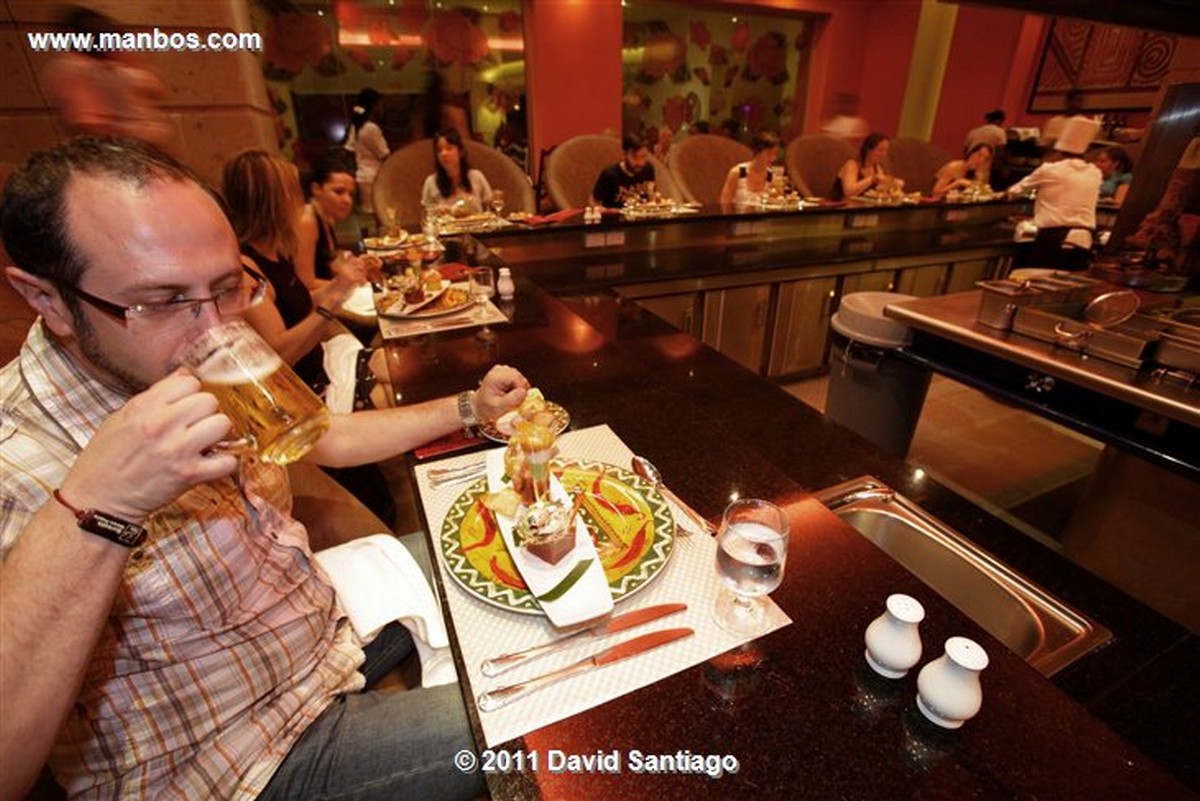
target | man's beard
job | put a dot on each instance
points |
(110, 372)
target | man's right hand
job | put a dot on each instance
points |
(151, 451)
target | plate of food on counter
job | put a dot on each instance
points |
(417, 300)
(534, 409)
(385, 245)
(592, 535)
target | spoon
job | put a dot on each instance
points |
(646, 469)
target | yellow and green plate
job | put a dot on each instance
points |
(628, 519)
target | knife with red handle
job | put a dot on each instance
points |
(494, 699)
(498, 664)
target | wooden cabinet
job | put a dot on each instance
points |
(735, 323)
(678, 310)
(964, 274)
(882, 281)
(801, 326)
(922, 281)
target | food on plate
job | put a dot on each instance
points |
(506, 502)
(545, 531)
(534, 409)
(384, 242)
(527, 461)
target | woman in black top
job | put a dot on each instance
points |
(263, 199)
(332, 200)
(867, 172)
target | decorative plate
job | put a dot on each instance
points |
(559, 421)
(627, 517)
(449, 299)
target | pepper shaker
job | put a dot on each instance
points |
(893, 643)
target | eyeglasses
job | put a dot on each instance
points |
(228, 302)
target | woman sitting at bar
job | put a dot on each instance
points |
(454, 184)
(1117, 170)
(264, 201)
(332, 200)
(867, 172)
(963, 173)
(757, 171)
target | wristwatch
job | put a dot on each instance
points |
(466, 408)
(111, 528)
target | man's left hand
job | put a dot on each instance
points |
(502, 389)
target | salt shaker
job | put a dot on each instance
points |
(505, 285)
(893, 643)
(948, 689)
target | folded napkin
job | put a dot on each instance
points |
(453, 271)
(341, 365)
(361, 301)
(558, 216)
(1025, 231)
(377, 581)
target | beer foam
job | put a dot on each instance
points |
(229, 368)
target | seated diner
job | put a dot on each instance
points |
(747, 181)
(965, 172)
(867, 172)
(454, 185)
(631, 177)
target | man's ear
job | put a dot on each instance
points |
(44, 298)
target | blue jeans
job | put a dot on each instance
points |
(382, 744)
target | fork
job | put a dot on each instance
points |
(452, 475)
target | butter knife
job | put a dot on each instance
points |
(498, 664)
(494, 699)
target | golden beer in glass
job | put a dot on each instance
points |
(273, 412)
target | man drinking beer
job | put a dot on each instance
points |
(163, 632)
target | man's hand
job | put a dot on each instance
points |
(502, 389)
(152, 450)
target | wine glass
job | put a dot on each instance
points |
(483, 286)
(751, 554)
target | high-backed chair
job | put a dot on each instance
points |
(813, 162)
(398, 183)
(700, 162)
(403, 173)
(572, 167)
(916, 161)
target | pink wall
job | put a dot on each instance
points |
(573, 70)
(982, 65)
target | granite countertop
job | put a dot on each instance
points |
(798, 711)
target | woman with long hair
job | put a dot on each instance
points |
(264, 201)
(331, 200)
(865, 172)
(962, 173)
(454, 181)
(365, 138)
(757, 171)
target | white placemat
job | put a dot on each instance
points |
(395, 328)
(484, 630)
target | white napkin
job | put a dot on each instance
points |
(1026, 231)
(361, 301)
(377, 581)
(341, 364)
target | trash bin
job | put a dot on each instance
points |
(872, 390)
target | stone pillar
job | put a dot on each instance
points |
(216, 101)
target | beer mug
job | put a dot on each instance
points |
(274, 413)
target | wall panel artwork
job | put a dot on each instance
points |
(1115, 68)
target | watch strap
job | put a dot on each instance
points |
(108, 526)
(466, 409)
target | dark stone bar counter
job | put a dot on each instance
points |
(797, 708)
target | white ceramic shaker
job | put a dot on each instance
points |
(893, 643)
(504, 284)
(948, 689)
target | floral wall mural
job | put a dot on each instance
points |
(317, 56)
(689, 70)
